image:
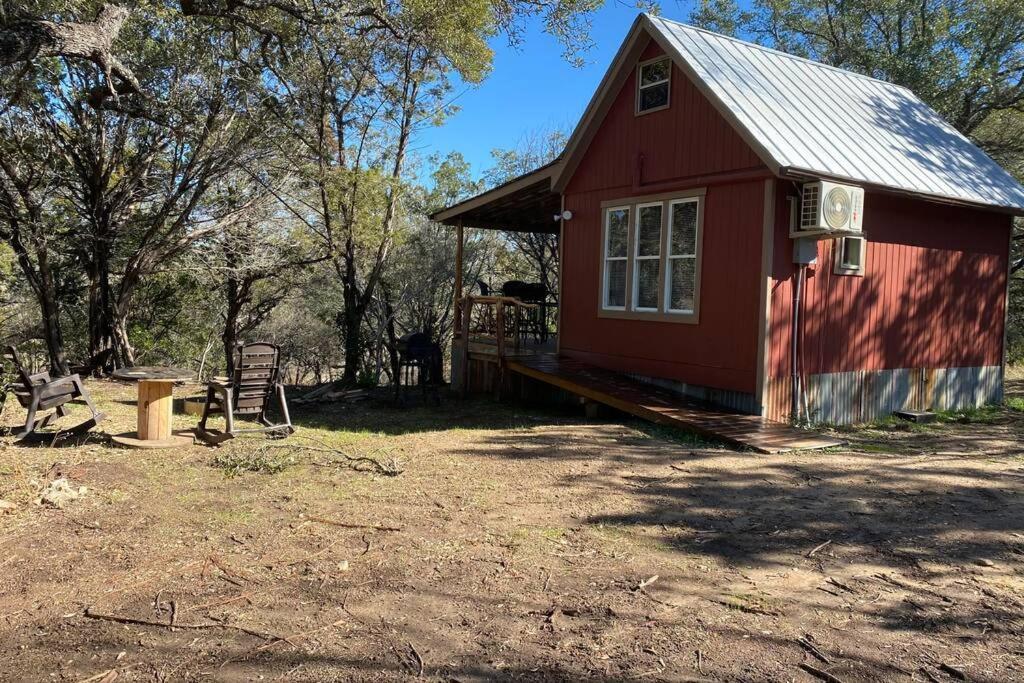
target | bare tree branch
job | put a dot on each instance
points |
(28, 40)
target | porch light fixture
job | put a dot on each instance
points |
(564, 216)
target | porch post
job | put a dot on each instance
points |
(458, 276)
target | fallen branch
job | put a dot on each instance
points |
(347, 525)
(646, 582)
(954, 672)
(820, 547)
(419, 660)
(103, 677)
(818, 673)
(805, 643)
(838, 584)
(390, 469)
(146, 622)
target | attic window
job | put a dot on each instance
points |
(653, 85)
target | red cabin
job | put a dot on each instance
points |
(759, 232)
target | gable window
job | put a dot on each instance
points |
(653, 244)
(616, 241)
(849, 255)
(653, 85)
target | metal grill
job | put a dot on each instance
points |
(809, 207)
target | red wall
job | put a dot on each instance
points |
(932, 296)
(686, 145)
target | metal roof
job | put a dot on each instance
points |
(523, 204)
(814, 119)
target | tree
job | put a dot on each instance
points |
(254, 262)
(29, 222)
(127, 187)
(534, 150)
(118, 122)
(353, 96)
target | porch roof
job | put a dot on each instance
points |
(523, 204)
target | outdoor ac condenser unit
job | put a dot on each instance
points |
(830, 209)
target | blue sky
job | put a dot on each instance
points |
(532, 88)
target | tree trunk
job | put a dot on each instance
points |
(27, 41)
(351, 320)
(230, 337)
(52, 329)
(101, 310)
(124, 353)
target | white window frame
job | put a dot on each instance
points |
(843, 268)
(632, 205)
(640, 87)
(669, 256)
(606, 258)
(634, 265)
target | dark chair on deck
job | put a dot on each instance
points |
(249, 394)
(420, 360)
(534, 320)
(39, 391)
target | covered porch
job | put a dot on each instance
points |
(499, 320)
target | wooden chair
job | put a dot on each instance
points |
(248, 394)
(39, 391)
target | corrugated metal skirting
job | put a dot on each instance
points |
(869, 395)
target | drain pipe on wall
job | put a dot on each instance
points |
(805, 253)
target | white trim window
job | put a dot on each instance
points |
(616, 258)
(651, 253)
(647, 257)
(681, 271)
(652, 84)
(850, 255)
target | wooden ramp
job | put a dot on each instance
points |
(665, 407)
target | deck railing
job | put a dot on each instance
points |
(493, 320)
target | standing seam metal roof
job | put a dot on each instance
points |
(825, 121)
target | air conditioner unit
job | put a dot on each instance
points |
(830, 209)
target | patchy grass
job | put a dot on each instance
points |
(513, 544)
(239, 460)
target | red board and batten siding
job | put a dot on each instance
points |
(684, 146)
(932, 296)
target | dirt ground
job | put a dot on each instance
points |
(516, 544)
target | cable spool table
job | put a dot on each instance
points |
(155, 406)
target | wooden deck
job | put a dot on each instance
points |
(665, 407)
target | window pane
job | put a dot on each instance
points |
(682, 284)
(616, 294)
(647, 283)
(653, 96)
(684, 229)
(852, 250)
(649, 231)
(618, 232)
(654, 72)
